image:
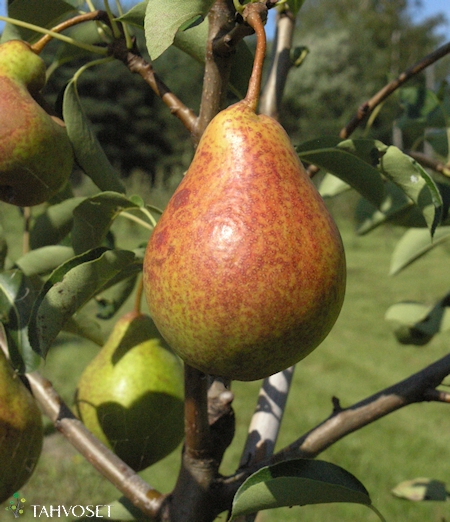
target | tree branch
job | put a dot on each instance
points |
(125, 479)
(221, 19)
(414, 389)
(367, 107)
(136, 64)
(419, 387)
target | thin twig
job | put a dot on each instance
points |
(125, 479)
(98, 15)
(367, 107)
(137, 64)
(419, 387)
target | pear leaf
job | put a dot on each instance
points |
(44, 13)
(83, 325)
(163, 20)
(396, 208)
(356, 172)
(417, 184)
(44, 260)
(17, 293)
(298, 483)
(109, 302)
(416, 323)
(53, 225)
(70, 287)
(88, 151)
(420, 489)
(332, 186)
(193, 43)
(93, 219)
(413, 244)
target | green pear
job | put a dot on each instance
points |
(36, 156)
(130, 396)
(245, 271)
(21, 431)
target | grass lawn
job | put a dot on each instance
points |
(358, 358)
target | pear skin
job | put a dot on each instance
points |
(245, 271)
(36, 156)
(130, 396)
(21, 431)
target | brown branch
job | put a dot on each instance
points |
(221, 20)
(437, 395)
(136, 64)
(198, 436)
(141, 494)
(99, 15)
(419, 387)
(342, 422)
(367, 107)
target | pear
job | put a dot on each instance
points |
(130, 396)
(36, 156)
(21, 431)
(245, 271)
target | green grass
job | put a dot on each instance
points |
(358, 358)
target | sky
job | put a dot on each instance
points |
(427, 9)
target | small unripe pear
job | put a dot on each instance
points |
(130, 396)
(36, 156)
(21, 431)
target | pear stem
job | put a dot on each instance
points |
(87, 17)
(253, 14)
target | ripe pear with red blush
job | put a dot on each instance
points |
(36, 156)
(245, 271)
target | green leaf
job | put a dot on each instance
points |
(360, 174)
(417, 184)
(88, 151)
(416, 323)
(93, 219)
(420, 489)
(396, 208)
(84, 325)
(53, 225)
(112, 299)
(193, 43)
(45, 13)
(298, 483)
(332, 186)
(415, 243)
(44, 260)
(17, 294)
(70, 287)
(164, 19)
(295, 6)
